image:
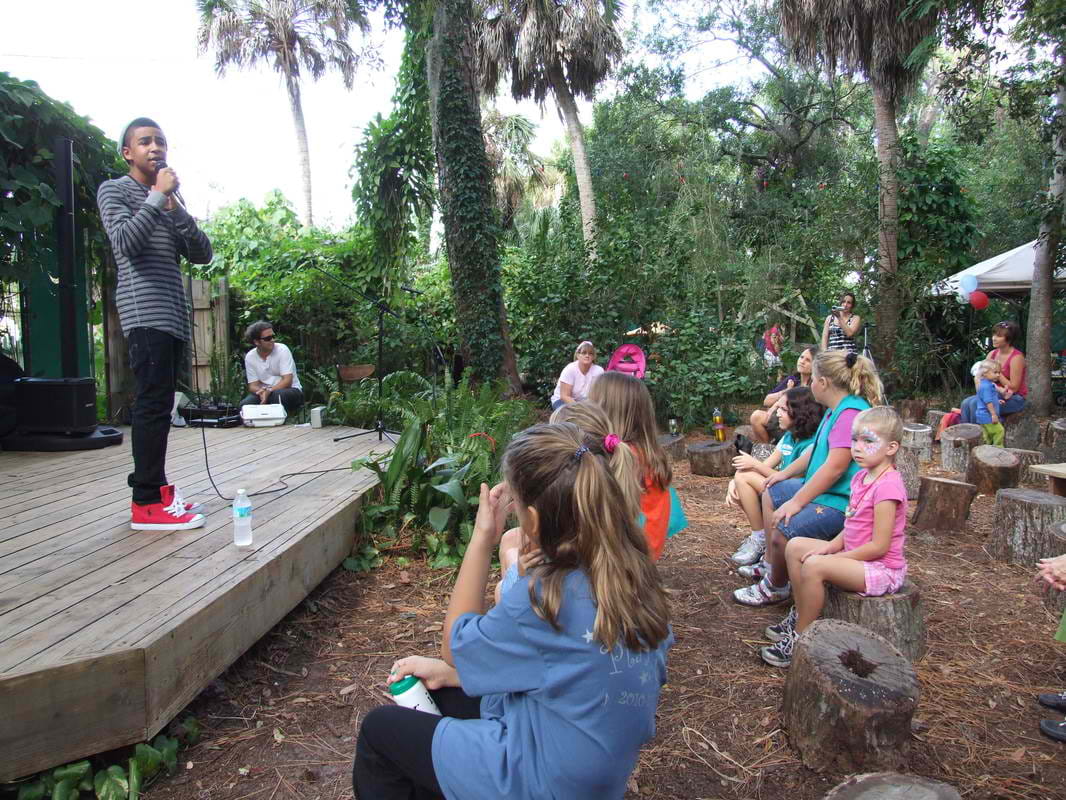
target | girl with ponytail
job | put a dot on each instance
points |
(567, 666)
(809, 497)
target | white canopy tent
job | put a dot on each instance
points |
(1007, 273)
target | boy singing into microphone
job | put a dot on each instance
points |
(149, 229)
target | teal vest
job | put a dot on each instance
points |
(791, 449)
(838, 494)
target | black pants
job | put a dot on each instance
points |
(291, 398)
(394, 754)
(155, 358)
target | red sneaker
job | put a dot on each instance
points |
(160, 517)
(171, 492)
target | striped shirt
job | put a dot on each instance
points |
(147, 242)
(838, 340)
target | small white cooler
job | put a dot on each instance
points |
(263, 416)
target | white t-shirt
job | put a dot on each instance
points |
(271, 369)
(580, 382)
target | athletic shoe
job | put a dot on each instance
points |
(1056, 700)
(754, 572)
(1056, 730)
(171, 493)
(780, 654)
(159, 517)
(751, 550)
(783, 629)
(762, 594)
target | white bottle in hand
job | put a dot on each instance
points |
(242, 519)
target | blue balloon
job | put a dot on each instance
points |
(968, 283)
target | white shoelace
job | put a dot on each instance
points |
(176, 508)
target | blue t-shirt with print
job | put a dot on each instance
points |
(986, 393)
(561, 715)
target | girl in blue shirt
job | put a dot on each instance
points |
(567, 666)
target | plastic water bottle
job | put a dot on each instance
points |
(242, 519)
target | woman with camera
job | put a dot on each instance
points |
(841, 326)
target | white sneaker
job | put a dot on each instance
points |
(190, 508)
(751, 550)
(762, 594)
(177, 420)
(753, 572)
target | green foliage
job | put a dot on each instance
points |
(430, 481)
(30, 121)
(108, 781)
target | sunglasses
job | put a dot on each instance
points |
(266, 338)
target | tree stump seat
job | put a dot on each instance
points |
(955, 445)
(714, 459)
(919, 436)
(943, 505)
(933, 418)
(1054, 445)
(993, 468)
(898, 617)
(908, 464)
(674, 445)
(1025, 525)
(1027, 459)
(849, 698)
(1021, 430)
(891, 786)
(1054, 600)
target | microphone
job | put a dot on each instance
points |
(412, 291)
(161, 164)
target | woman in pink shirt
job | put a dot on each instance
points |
(1012, 385)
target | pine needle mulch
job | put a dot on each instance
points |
(281, 723)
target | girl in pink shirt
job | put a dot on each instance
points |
(867, 556)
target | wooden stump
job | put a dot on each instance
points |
(1054, 600)
(907, 463)
(849, 698)
(1026, 458)
(1025, 524)
(1021, 430)
(912, 410)
(943, 504)
(899, 617)
(932, 419)
(712, 458)
(745, 430)
(674, 445)
(920, 437)
(955, 446)
(761, 452)
(891, 786)
(1054, 447)
(993, 468)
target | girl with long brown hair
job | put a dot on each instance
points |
(568, 665)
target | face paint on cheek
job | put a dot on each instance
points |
(869, 443)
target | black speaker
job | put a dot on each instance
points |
(55, 405)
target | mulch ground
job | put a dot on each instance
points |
(282, 722)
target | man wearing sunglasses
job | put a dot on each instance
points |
(271, 370)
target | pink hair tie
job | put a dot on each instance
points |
(610, 442)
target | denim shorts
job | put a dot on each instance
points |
(813, 521)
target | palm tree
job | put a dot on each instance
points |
(291, 35)
(515, 168)
(566, 48)
(879, 40)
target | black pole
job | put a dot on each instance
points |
(63, 164)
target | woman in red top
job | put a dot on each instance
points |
(1012, 386)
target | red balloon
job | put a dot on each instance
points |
(978, 300)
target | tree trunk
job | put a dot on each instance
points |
(1026, 476)
(899, 617)
(467, 204)
(1038, 335)
(1024, 527)
(955, 446)
(849, 698)
(907, 463)
(943, 505)
(1055, 442)
(712, 458)
(292, 84)
(576, 134)
(993, 468)
(919, 436)
(889, 291)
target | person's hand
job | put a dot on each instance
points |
(731, 496)
(166, 181)
(494, 506)
(824, 550)
(776, 477)
(1053, 570)
(791, 384)
(786, 512)
(1008, 393)
(433, 672)
(526, 561)
(264, 395)
(744, 461)
(995, 419)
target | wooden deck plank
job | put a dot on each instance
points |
(34, 621)
(90, 601)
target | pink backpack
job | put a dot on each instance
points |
(628, 359)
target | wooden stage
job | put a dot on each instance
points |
(107, 633)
